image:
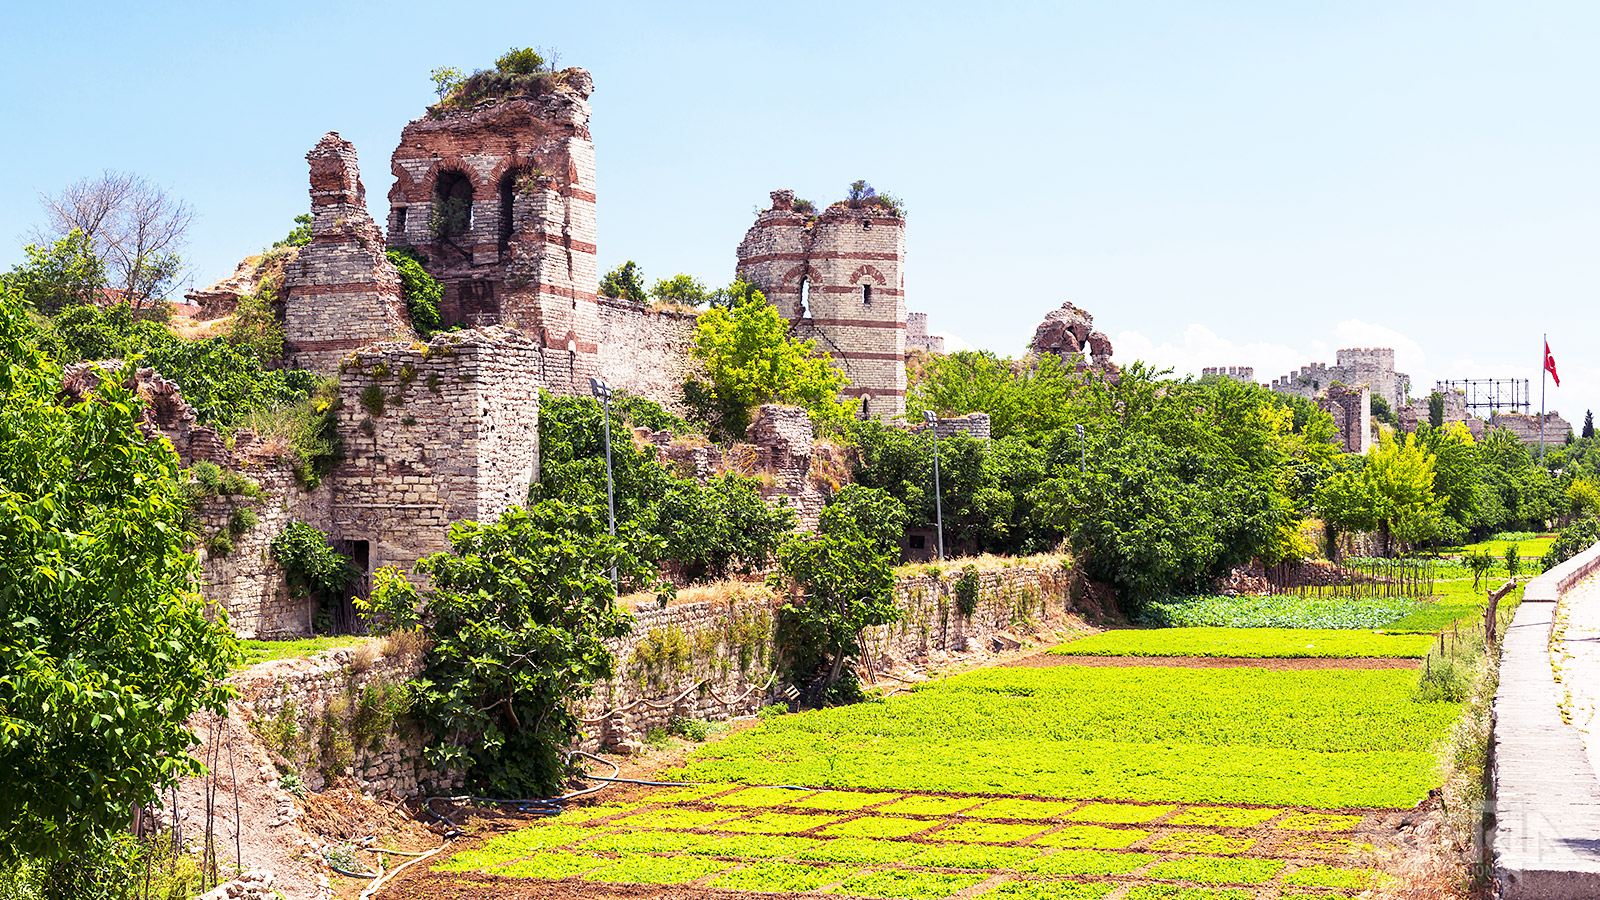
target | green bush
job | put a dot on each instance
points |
(242, 520)
(372, 400)
(1574, 539)
(421, 291)
(967, 591)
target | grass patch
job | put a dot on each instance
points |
(1119, 813)
(754, 846)
(1453, 601)
(505, 847)
(1021, 809)
(1332, 877)
(1224, 816)
(1088, 862)
(1275, 611)
(777, 823)
(1320, 738)
(895, 883)
(858, 850)
(845, 801)
(1320, 822)
(261, 651)
(552, 864)
(1210, 870)
(657, 870)
(1188, 842)
(781, 877)
(930, 806)
(760, 796)
(1050, 890)
(1301, 844)
(1248, 643)
(1092, 837)
(877, 827)
(965, 856)
(643, 842)
(987, 832)
(674, 817)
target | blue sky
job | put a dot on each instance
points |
(1253, 183)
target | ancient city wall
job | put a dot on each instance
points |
(645, 352)
(1526, 427)
(334, 715)
(434, 434)
(341, 291)
(246, 582)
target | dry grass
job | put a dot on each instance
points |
(195, 330)
(406, 645)
(952, 566)
(729, 591)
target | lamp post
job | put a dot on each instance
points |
(938, 503)
(1083, 457)
(602, 390)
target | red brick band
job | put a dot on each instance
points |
(322, 290)
(568, 293)
(854, 391)
(858, 323)
(802, 257)
(855, 289)
(839, 354)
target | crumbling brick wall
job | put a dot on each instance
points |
(247, 582)
(341, 291)
(646, 352)
(1526, 427)
(434, 434)
(525, 255)
(838, 277)
(1068, 332)
(1351, 409)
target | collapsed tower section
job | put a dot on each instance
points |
(838, 277)
(340, 292)
(500, 199)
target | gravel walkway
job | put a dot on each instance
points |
(1577, 655)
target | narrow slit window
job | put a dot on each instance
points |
(866, 294)
(805, 298)
(400, 220)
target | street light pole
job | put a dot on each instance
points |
(938, 502)
(601, 389)
(1083, 457)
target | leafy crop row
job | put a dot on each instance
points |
(1249, 643)
(1275, 611)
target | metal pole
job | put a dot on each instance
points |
(1544, 356)
(1083, 458)
(938, 502)
(611, 503)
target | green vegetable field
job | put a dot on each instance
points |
(1250, 643)
(1324, 738)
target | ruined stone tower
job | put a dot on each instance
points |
(340, 292)
(837, 277)
(501, 200)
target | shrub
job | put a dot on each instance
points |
(694, 729)
(242, 520)
(1513, 559)
(967, 591)
(421, 291)
(372, 400)
(219, 545)
(1572, 540)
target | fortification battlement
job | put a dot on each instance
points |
(1374, 356)
(837, 277)
(1237, 373)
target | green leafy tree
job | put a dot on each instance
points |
(750, 360)
(1513, 560)
(1436, 409)
(625, 282)
(1572, 540)
(1029, 398)
(299, 235)
(446, 79)
(520, 61)
(421, 291)
(873, 513)
(314, 570)
(1400, 474)
(105, 646)
(1588, 423)
(1480, 563)
(1383, 412)
(63, 274)
(841, 582)
(719, 528)
(255, 329)
(681, 289)
(519, 611)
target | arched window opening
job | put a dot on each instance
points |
(508, 202)
(452, 206)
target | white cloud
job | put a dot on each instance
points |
(1199, 347)
(951, 342)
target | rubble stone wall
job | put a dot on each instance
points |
(645, 352)
(1526, 427)
(247, 583)
(1351, 408)
(341, 291)
(434, 434)
(837, 277)
(317, 695)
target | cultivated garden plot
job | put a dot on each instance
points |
(893, 844)
(1323, 738)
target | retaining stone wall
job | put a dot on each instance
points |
(248, 583)
(301, 691)
(646, 352)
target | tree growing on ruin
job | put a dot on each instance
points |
(421, 291)
(105, 645)
(750, 360)
(1588, 423)
(1436, 409)
(625, 282)
(135, 228)
(519, 611)
(680, 289)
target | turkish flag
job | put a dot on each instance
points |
(1550, 364)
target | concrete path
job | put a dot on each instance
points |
(1546, 794)
(1577, 659)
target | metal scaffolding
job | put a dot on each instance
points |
(1495, 394)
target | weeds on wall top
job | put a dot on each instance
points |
(519, 72)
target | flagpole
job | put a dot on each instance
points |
(1544, 366)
